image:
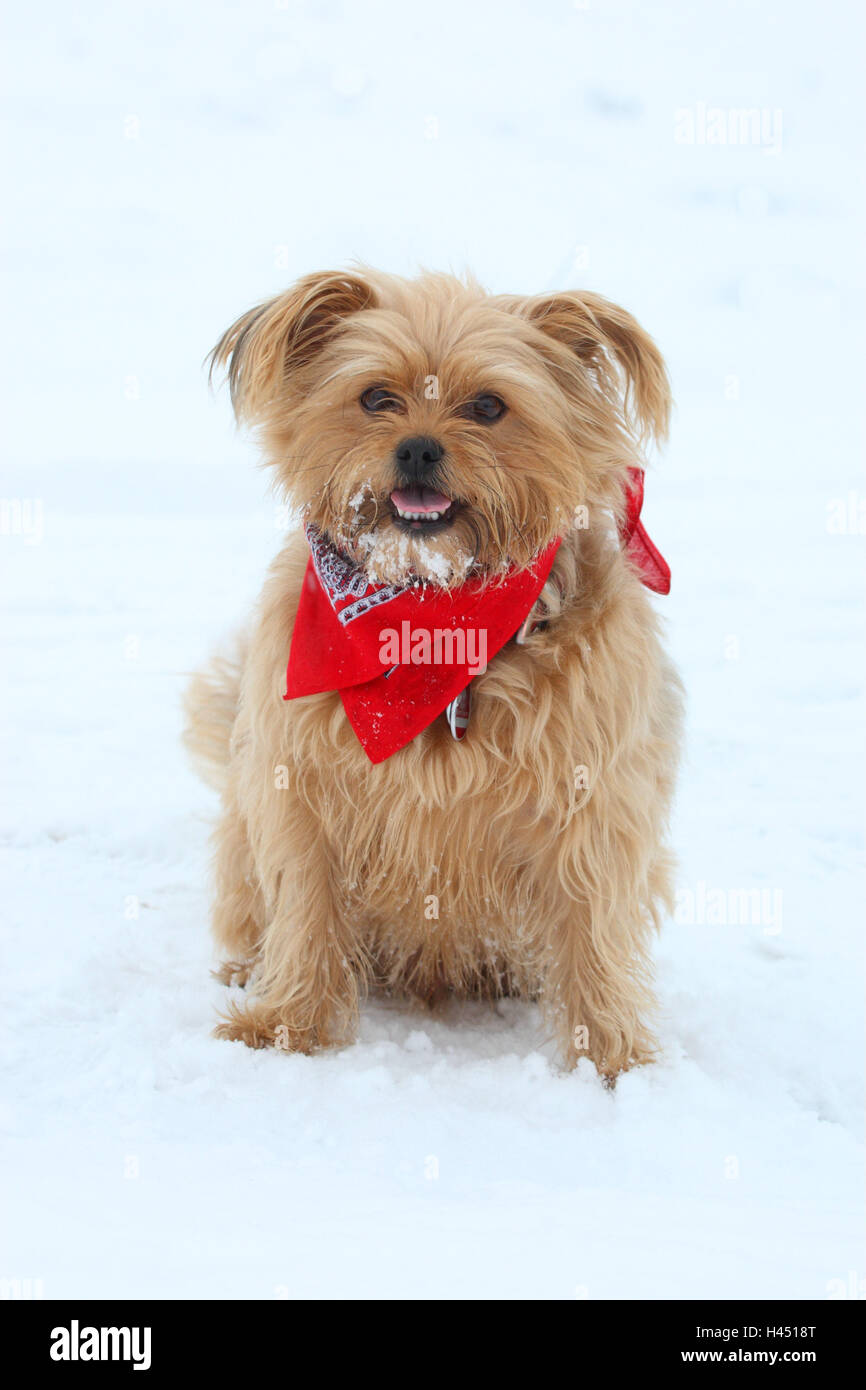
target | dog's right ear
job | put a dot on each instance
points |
(619, 356)
(265, 346)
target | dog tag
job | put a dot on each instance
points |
(457, 714)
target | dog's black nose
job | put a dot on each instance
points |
(417, 457)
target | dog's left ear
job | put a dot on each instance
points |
(273, 342)
(625, 363)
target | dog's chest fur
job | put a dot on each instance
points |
(447, 856)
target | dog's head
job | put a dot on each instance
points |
(430, 429)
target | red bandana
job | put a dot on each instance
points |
(649, 562)
(399, 655)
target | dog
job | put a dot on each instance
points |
(413, 826)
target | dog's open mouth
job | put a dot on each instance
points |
(422, 508)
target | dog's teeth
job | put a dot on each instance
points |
(420, 516)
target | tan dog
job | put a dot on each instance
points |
(527, 858)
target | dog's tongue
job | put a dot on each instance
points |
(419, 499)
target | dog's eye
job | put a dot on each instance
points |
(377, 398)
(484, 408)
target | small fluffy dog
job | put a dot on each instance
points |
(477, 454)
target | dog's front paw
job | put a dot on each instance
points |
(611, 1053)
(263, 1028)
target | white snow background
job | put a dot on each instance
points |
(168, 164)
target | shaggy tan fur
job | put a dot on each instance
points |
(529, 857)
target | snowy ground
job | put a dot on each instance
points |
(176, 163)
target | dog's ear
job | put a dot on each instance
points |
(625, 363)
(268, 344)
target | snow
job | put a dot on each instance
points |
(387, 556)
(174, 164)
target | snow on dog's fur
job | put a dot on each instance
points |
(528, 858)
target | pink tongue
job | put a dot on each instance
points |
(419, 499)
